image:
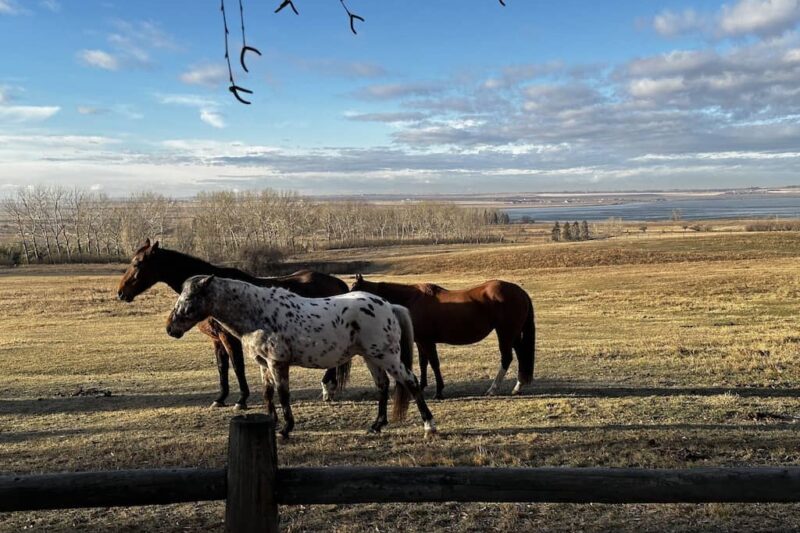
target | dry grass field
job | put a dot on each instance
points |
(659, 352)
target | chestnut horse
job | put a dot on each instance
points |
(466, 317)
(152, 264)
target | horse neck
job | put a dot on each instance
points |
(234, 314)
(394, 292)
(178, 267)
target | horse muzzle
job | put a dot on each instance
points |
(122, 297)
(174, 332)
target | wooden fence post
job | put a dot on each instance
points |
(251, 505)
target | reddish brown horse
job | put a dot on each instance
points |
(466, 317)
(152, 264)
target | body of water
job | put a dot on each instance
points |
(692, 209)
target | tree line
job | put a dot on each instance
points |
(52, 224)
(570, 232)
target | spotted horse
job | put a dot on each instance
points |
(279, 329)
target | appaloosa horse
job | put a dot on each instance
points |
(152, 264)
(279, 329)
(465, 317)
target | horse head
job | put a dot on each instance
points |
(142, 273)
(359, 284)
(192, 306)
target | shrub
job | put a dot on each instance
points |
(260, 260)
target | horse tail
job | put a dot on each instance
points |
(337, 286)
(402, 396)
(526, 347)
(343, 375)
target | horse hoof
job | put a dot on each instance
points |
(240, 407)
(430, 429)
(438, 396)
(283, 435)
(217, 403)
(491, 392)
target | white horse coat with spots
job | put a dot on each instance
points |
(279, 329)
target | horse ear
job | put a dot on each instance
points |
(146, 243)
(359, 277)
(205, 282)
(154, 247)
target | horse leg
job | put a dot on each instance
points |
(405, 378)
(382, 382)
(221, 355)
(269, 392)
(329, 385)
(422, 349)
(280, 376)
(506, 356)
(519, 350)
(434, 359)
(237, 360)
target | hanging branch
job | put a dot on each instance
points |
(245, 48)
(287, 3)
(353, 18)
(234, 89)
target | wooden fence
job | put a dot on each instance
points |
(253, 486)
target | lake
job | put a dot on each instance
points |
(691, 209)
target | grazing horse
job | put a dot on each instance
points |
(152, 264)
(279, 329)
(465, 317)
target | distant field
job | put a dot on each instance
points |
(674, 350)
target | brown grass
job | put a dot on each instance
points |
(684, 355)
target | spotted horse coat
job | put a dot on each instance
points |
(279, 329)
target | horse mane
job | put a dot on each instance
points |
(195, 264)
(430, 289)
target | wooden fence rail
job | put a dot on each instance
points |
(254, 487)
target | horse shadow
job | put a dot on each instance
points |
(454, 391)
(544, 388)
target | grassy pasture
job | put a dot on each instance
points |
(654, 351)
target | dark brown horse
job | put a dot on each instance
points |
(466, 317)
(152, 264)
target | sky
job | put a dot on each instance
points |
(452, 96)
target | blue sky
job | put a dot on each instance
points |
(446, 96)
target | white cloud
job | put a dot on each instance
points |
(9, 7)
(22, 113)
(90, 110)
(212, 118)
(766, 18)
(669, 23)
(761, 17)
(51, 5)
(389, 91)
(208, 107)
(208, 75)
(99, 59)
(191, 100)
(648, 87)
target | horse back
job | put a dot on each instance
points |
(307, 283)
